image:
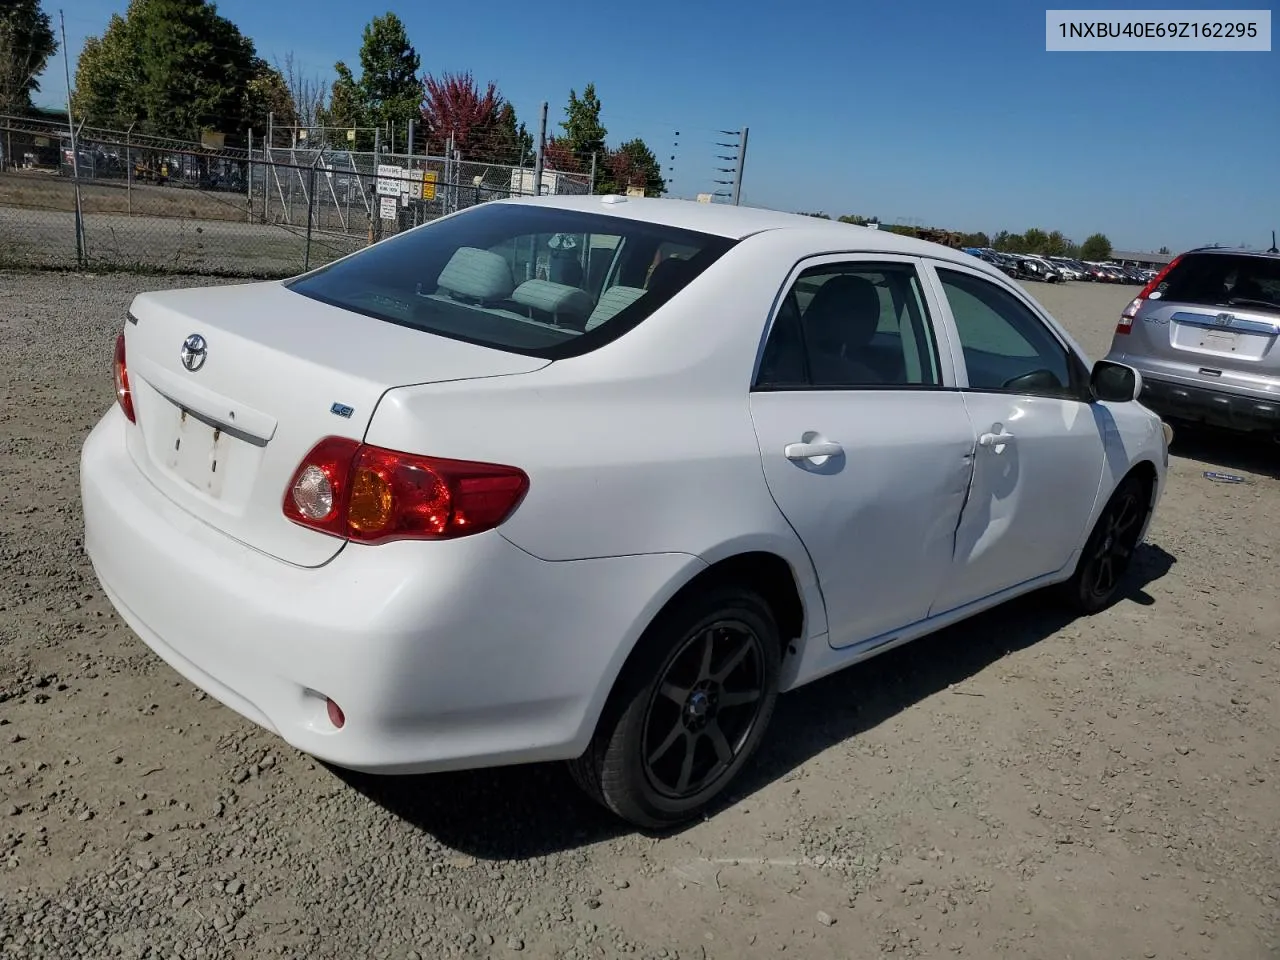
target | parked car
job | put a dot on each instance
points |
(1204, 334)
(413, 511)
(1066, 268)
(1034, 268)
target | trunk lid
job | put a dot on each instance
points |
(1223, 338)
(222, 432)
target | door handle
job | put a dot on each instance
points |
(810, 451)
(995, 439)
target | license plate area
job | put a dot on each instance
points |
(1223, 335)
(1221, 342)
(200, 453)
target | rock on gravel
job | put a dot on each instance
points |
(1020, 786)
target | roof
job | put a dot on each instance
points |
(1245, 251)
(1142, 257)
(736, 222)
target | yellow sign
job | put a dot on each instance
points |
(351, 135)
(428, 184)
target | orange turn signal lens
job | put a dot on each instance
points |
(370, 509)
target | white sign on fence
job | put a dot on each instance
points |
(392, 180)
(388, 205)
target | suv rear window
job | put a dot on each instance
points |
(529, 279)
(1224, 280)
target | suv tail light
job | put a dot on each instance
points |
(123, 395)
(372, 495)
(1131, 311)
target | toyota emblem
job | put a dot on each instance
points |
(194, 352)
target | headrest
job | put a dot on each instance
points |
(553, 297)
(612, 302)
(478, 274)
(846, 309)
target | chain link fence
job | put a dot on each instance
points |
(120, 201)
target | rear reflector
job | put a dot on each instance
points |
(336, 716)
(373, 495)
(121, 370)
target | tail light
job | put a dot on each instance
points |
(372, 495)
(123, 395)
(1131, 311)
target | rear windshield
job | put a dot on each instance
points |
(528, 279)
(1224, 280)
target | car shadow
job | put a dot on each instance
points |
(1226, 451)
(513, 813)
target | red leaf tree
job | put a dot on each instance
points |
(455, 105)
(559, 155)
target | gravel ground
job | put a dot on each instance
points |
(1024, 786)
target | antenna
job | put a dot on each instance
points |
(1273, 243)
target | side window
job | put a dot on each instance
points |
(850, 325)
(1007, 348)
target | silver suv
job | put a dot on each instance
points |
(1203, 334)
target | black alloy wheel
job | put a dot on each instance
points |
(703, 709)
(688, 711)
(1108, 553)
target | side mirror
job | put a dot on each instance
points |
(1114, 382)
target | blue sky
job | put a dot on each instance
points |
(940, 113)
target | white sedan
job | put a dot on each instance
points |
(594, 479)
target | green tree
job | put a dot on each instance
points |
(583, 132)
(1096, 247)
(389, 88)
(1165, 251)
(108, 76)
(268, 96)
(196, 66)
(1055, 244)
(632, 165)
(346, 108)
(176, 67)
(854, 219)
(26, 44)
(513, 143)
(1008, 242)
(1034, 240)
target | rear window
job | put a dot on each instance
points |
(1224, 280)
(528, 279)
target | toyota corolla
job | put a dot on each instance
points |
(595, 479)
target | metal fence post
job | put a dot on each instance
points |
(542, 148)
(311, 203)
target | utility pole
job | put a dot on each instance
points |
(75, 150)
(542, 149)
(742, 162)
(739, 159)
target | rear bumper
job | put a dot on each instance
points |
(1220, 408)
(445, 655)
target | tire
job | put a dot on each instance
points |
(668, 692)
(1108, 553)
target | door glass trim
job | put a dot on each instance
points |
(1077, 367)
(939, 334)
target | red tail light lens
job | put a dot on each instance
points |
(373, 495)
(123, 395)
(1131, 311)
